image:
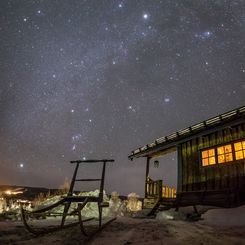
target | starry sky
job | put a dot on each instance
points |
(98, 78)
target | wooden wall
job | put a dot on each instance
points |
(195, 177)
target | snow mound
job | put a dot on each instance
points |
(117, 207)
(171, 214)
(225, 217)
(90, 210)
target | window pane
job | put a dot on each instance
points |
(243, 145)
(211, 160)
(211, 152)
(239, 155)
(238, 146)
(205, 162)
(221, 158)
(228, 148)
(228, 157)
(220, 150)
(204, 154)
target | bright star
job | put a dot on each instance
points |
(207, 33)
(145, 16)
(21, 165)
(72, 110)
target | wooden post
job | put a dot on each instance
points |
(147, 174)
(180, 173)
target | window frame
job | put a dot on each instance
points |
(215, 147)
(243, 149)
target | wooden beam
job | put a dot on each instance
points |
(147, 173)
(179, 174)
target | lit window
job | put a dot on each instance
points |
(240, 150)
(224, 154)
(208, 157)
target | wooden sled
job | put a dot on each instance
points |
(66, 202)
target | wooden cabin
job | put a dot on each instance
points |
(211, 163)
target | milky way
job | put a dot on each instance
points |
(95, 79)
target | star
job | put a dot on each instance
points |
(145, 16)
(204, 35)
(207, 34)
(21, 165)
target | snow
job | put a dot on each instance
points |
(225, 217)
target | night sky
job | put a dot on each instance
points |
(97, 79)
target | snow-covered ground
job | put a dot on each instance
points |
(131, 231)
(216, 226)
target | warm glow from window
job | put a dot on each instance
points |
(208, 157)
(240, 150)
(224, 154)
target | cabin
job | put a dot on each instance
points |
(210, 163)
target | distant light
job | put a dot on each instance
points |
(120, 5)
(166, 99)
(84, 158)
(145, 16)
(21, 165)
(25, 19)
(72, 110)
(8, 192)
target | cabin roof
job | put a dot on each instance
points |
(169, 143)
